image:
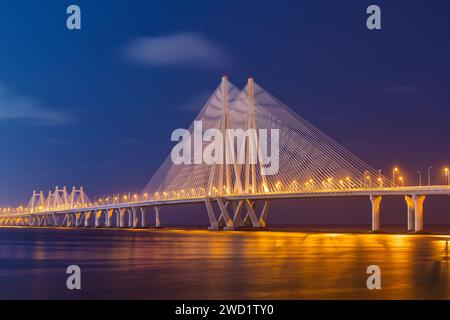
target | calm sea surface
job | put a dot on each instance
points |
(200, 264)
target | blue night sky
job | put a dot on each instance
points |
(96, 106)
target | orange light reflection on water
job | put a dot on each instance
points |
(200, 264)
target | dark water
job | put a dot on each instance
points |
(191, 264)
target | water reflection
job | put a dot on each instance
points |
(190, 264)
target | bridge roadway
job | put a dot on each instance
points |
(136, 211)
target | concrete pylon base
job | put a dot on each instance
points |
(376, 201)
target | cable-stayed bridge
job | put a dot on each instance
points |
(248, 172)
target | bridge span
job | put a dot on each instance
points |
(228, 212)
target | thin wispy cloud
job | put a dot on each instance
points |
(26, 108)
(177, 50)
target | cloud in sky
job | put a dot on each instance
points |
(179, 49)
(20, 107)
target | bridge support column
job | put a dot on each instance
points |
(264, 214)
(122, 217)
(229, 225)
(376, 201)
(117, 218)
(130, 218)
(87, 218)
(157, 220)
(251, 214)
(143, 218)
(70, 220)
(213, 225)
(237, 207)
(98, 214)
(78, 216)
(237, 219)
(109, 213)
(55, 218)
(44, 220)
(107, 218)
(410, 208)
(418, 208)
(135, 217)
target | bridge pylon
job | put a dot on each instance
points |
(235, 214)
(37, 202)
(278, 152)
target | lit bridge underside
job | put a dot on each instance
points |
(236, 194)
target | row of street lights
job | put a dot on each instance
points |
(396, 171)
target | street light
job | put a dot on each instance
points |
(429, 175)
(420, 177)
(393, 175)
(401, 180)
(447, 176)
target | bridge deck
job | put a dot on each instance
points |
(395, 191)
